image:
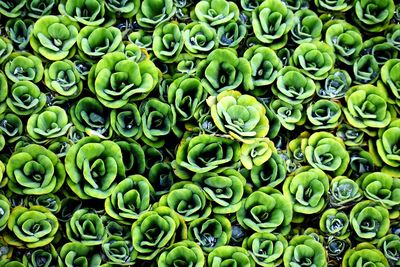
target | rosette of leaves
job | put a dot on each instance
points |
(11, 263)
(168, 41)
(231, 34)
(132, 156)
(23, 66)
(249, 5)
(85, 227)
(335, 223)
(315, 60)
(215, 12)
(266, 249)
(373, 15)
(130, 198)
(392, 35)
(364, 254)
(188, 200)
(367, 107)
(118, 250)
(25, 98)
(127, 121)
(11, 128)
(68, 205)
(54, 37)
(86, 12)
(386, 147)
(161, 176)
(271, 22)
(270, 173)
(266, 210)
(327, 152)
(116, 80)
(365, 69)
(186, 253)
(95, 42)
(125, 9)
(293, 87)
(49, 201)
(346, 39)
(369, 220)
(381, 187)
(37, 8)
(153, 13)
(141, 38)
(344, 192)
(78, 254)
(90, 117)
(240, 116)
(94, 167)
(46, 256)
(335, 85)
(391, 78)
(210, 233)
(255, 154)
(6, 48)
(306, 189)
(50, 123)
(289, 115)
(223, 70)
(361, 161)
(156, 229)
(199, 39)
(334, 6)
(324, 114)
(225, 189)
(34, 170)
(304, 250)
(4, 211)
(12, 9)
(380, 48)
(19, 32)
(337, 247)
(230, 255)
(265, 66)
(31, 228)
(390, 246)
(307, 27)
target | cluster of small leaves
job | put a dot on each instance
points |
(200, 133)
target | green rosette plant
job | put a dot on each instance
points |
(32, 228)
(199, 39)
(12, 9)
(4, 211)
(86, 12)
(231, 34)
(327, 152)
(255, 154)
(34, 170)
(85, 227)
(265, 67)
(249, 5)
(94, 167)
(324, 114)
(215, 12)
(50, 123)
(390, 246)
(230, 255)
(370, 221)
(186, 253)
(266, 210)
(116, 80)
(225, 190)
(293, 87)
(23, 66)
(152, 13)
(346, 39)
(54, 37)
(367, 108)
(344, 192)
(6, 48)
(307, 27)
(335, 85)
(9, 263)
(210, 233)
(19, 32)
(270, 173)
(306, 189)
(364, 254)
(386, 148)
(125, 9)
(49, 201)
(315, 60)
(11, 128)
(188, 200)
(240, 116)
(132, 156)
(304, 250)
(391, 78)
(90, 117)
(372, 15)
(46, 256)
(380, 48)
(335, 223)
(78, 254)
(361, 161)
(118, 250)
(271, 22)
(129, 199)
(266, 249)
(155, 230)
(25, 98)
(38, 8)
(382, 188)
(392, 35)
(223, 70)
(365, 69)
(161, 176)
(351, 136)
(168, 41)
(127, 121)
(334, 6)
(95, 42)
(141, 38)
(289, 115)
